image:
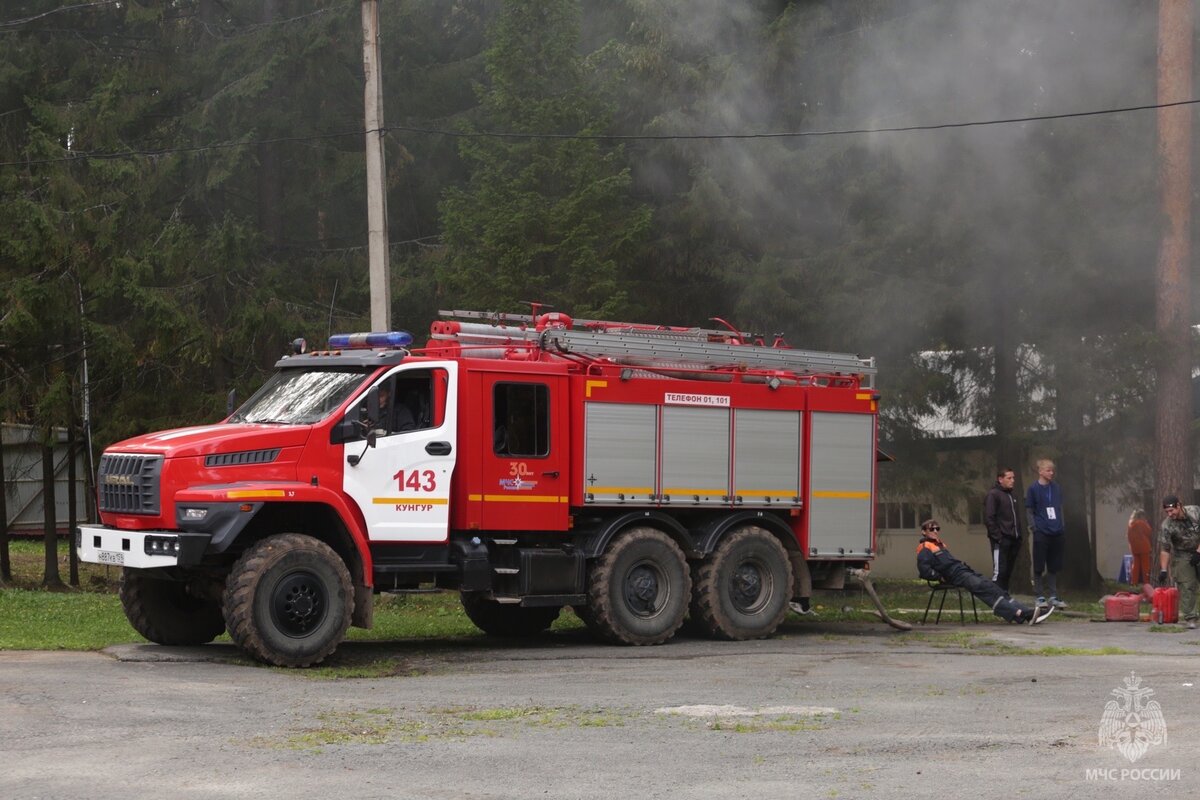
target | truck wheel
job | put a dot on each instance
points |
(507, 619)
(638, 589)
(742, 591)
(288, 600)
(169, 612)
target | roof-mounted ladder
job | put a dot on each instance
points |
(651, 347)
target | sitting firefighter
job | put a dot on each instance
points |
(935, 563)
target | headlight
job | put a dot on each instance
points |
(195, 514)
(162, 546)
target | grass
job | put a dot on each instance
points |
(34, 620)
(378, 726)
(91, 618)
(905, 600)
(28, 557)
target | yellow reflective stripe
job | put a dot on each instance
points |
(522, 498)
(587, 391)
(701, 492)
(844, 495)
(863, 396)
(387, 501)
(619, 490)
(768, 493)
(246, 494)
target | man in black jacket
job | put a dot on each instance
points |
(934, 563)
(1003, 526)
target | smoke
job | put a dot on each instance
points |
(909, 221)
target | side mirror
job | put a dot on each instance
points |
(348, 430)
(371, 411)
(372, 414)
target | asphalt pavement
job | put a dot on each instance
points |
(823, 710)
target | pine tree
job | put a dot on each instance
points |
(547, 220)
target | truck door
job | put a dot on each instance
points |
(524, 462)
(402, 485)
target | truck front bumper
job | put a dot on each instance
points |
(98, 544)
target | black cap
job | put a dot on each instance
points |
(1170, 501)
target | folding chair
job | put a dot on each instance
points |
(936, 587)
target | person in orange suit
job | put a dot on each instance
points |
(1141, 544)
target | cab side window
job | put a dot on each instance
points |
(405, 404)
(521, 420)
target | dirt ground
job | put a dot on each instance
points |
(824, 710)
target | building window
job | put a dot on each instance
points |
(901, 516)
(975, 511)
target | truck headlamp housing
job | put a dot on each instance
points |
(162, 546)
(195, 514)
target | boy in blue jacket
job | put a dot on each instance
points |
(1043, 507)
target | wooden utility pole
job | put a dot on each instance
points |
(377, 233)
(270, 195)
(1173, 418)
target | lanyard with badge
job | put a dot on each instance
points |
(1051, 514)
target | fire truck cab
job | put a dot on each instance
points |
(639, 474)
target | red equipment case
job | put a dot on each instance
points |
(1166, 605)
(1121, 607)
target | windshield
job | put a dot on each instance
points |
(298, 397)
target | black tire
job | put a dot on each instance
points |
(169, 612)
(288, 600)
(638, 589)
(507, 619)
(742, 591)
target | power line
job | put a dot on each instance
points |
(618, 137)
(788, 134)
(14, 22)
(166, 151)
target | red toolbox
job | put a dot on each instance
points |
(1166, 605)
(1121, 607)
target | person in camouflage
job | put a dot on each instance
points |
(1179, 549)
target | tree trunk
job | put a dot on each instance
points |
(1079, 563)
(1173, 418)
(1009, 448)
(72, 510)
(5, 561)
(51, 578)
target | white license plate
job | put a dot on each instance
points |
(106, 557)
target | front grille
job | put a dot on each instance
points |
(129, 484)
(244, 457)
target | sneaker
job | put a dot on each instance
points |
(1040, 614)
(1054, 601)
(1041, 601)
(801, 611)
(1191, 625)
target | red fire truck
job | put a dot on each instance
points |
(640, 474)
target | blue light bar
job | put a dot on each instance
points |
(357, 341)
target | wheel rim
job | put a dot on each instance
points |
(299, 604)
(750, 586)
(646, 589)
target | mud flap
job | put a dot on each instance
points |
(363, 615)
